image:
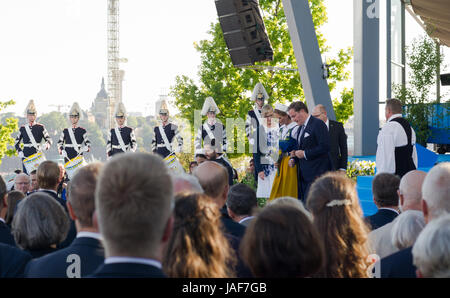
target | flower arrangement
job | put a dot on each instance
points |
(360, 168)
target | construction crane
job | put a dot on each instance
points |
(59, 106)
(115, 74)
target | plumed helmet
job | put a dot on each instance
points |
(31, 108)
(210, 106)
(75, 110)
(162, 107)
(259, 93)
(120, 110)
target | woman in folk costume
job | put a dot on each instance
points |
(212, 132)
(267, 153)
(73, 141)
(32, 134)
(121, 138)
(252, 122)
(285, 183)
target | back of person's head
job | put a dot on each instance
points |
(410, 190)
(3, 191)
(213, 178)
(133, 200)
(394, 105)
(183, 182)
(40, 221)
(81, 193)
(197, 247)
(282, 242)
(436, 190)
(293, 202)
(241, 199)
(14, 197)
(407, 226)
(431, 253)
(384, 189)
(334, 204)
(48, 175)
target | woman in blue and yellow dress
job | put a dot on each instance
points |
(285, 183)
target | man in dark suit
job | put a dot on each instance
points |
(385, 195)
(48, 179)
(338, 139)
(213, 178)
(312, 154)
(86, 252)
(134, 207)
(12, 261)
(5, 233)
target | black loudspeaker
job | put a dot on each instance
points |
(445, 79)
(244, 31)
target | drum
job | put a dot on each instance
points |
(73, 165)
(32, 162)
(173, 164)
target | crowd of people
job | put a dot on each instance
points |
(137, 215)
(120, 219)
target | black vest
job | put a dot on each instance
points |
(403, 154)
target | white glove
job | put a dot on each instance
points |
(21, 154)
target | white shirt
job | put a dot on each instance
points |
(89, 235)
(392, 135)
(113, 260)
(2, 220)
(245, 219)
(328, 123)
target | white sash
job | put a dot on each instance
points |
(31, 137)
(119, 138)
(164, 136)
(208, 131)
(73, 140)
(258, 115)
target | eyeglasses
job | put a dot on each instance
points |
(73, 116)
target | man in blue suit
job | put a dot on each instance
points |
(134, 201)
(85, 254)
(5, 233)
(312, 154)
(12, 261)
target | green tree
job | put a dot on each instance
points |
(423, 62)
(54, 122)
(8, 126)
(230, 86)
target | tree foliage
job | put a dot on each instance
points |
(8, 126)
(231, 87)
(423, 61)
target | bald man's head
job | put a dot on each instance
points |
(213, 178)
(410, 190)
(320, 112)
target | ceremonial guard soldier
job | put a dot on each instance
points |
(73, 141)
(32, 134)
(166, 133)
(253, 121)
(212, 132)
(121, 138)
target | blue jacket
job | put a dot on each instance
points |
(55, 265)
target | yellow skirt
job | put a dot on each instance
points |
(285, 183)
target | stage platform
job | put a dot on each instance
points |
(427, 159)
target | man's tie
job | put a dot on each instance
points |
(299, 137)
